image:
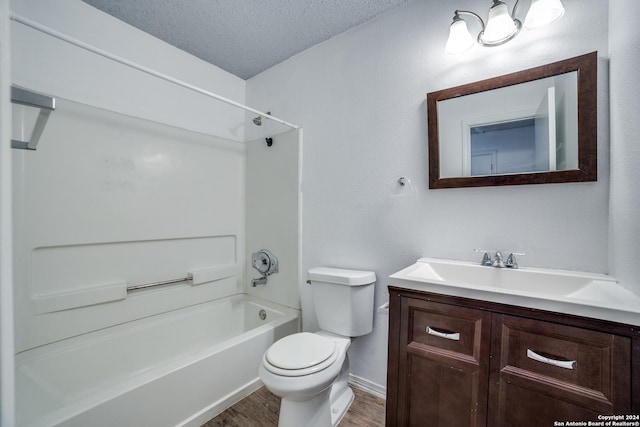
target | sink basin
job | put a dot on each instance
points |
(539, 281)
(572, 292)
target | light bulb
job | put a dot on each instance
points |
(500, 26)
(543, 12)
(459, 40)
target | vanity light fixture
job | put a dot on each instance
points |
(501, 25)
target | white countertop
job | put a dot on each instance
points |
(600, 296)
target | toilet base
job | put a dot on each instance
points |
(341, 395)
(340, 405)
(323, 410)
(314, 412)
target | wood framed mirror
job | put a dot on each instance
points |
(535, 126)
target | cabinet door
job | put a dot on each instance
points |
(543, 372)
(444, 363)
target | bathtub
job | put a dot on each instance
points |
(177, 368)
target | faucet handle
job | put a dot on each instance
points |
(486, 258)
(498, 261)
(511, 259)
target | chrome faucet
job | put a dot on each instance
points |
(498, 260)
(511, 260)
(259, 281)
(486, 258)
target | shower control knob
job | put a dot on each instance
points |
(265, 262)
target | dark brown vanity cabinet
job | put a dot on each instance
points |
(460, 362)
(554, 372)
(443, 359)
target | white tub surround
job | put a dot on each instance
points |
(273, 210)
(109, 204)
(131, 264)
(140, 179)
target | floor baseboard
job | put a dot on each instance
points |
(368, 386)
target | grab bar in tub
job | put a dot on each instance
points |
(117, 290)
(163, 282)
(197, 277)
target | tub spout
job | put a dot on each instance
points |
(259, 281)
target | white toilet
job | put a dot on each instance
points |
(310, 371)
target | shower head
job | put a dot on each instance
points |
(258, 120)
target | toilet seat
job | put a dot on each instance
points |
(300, 354)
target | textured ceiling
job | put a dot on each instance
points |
(244, 37)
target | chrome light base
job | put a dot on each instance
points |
(511, 36)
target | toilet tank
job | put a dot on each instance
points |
(343, 300)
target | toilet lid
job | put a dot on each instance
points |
(300, 351)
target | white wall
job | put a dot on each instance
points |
(360, 98)
(624, 47)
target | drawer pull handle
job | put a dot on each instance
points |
(566, 364)
(454, 336)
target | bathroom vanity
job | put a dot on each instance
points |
(479, 346)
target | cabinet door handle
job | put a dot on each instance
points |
(566, 364)
(453, 336)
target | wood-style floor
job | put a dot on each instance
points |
(260, 409)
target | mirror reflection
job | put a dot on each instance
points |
(530, 127)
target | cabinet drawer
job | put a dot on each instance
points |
(446, 327)
(585, 361)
